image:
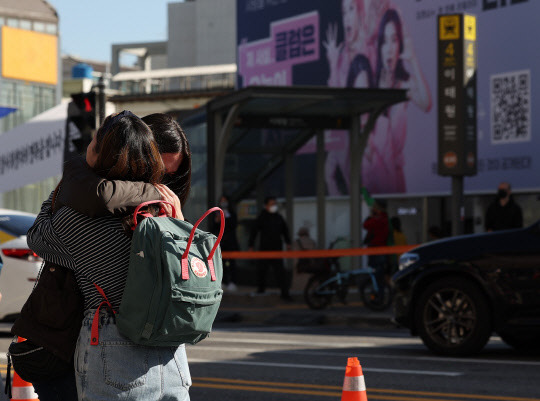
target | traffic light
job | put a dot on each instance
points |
(80, 123)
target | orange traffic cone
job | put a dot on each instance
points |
(21, 390)
(354, 387)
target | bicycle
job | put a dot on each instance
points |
(323, 286)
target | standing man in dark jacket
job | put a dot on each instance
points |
(503, 213)
(273, 231)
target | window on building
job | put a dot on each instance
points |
(2, 21)
(25, 24)
(51, 28)
(39, 26)
(30, 100)
(29, 197)
(13, 22)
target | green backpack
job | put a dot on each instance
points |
(173, 288)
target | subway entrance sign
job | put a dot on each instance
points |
(457, 140)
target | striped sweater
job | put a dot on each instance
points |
(96, 249)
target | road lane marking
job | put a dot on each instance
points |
(268, 383)
(340, 368)
(371, 390)
(203, 347)
(288, 342)
(419, 358)
(363, 345)
(267, 389)
(309, 392)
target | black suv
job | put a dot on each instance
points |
(455, 292)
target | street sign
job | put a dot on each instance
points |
(457, 141)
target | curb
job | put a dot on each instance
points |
(269, 309)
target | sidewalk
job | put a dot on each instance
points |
(243, 306)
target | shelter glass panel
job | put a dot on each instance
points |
(198, 199)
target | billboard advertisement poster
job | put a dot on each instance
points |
(393, 44)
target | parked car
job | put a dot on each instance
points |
(21, 265)
(454, 293)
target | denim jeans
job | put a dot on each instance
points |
(119, 369)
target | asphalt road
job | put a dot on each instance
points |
(308, 363)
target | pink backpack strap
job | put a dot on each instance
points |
(185, 267)
(145, 214)
(94, 339)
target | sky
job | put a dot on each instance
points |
(87, 29)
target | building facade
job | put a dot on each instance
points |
(30, 78)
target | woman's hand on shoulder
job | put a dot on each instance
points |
(169, 196)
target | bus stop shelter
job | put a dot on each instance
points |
(308, 111)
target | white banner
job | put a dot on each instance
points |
(33, 151)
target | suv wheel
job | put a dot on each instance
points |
(452, 317)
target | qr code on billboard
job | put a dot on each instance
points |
(511, 107)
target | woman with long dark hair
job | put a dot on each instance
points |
(175, 152)
(95, 196)
(396, 68)
(360, 73)
(97, 250)
(340, 55)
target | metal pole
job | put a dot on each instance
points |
(355, 153)
(259, 189)
(458, 208)
(321, 192)
(425, 219)
(101, 100)
(289, 204)
(289, 191)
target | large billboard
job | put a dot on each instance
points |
(393, 44)
(29, 56)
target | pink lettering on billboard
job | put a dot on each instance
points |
(269, 61)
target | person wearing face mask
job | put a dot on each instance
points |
(503, 213)
(272, 230)
(229, 242)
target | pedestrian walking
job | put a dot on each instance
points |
(97, 250)
(229, 242)
(503, 213)
(272, 230)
